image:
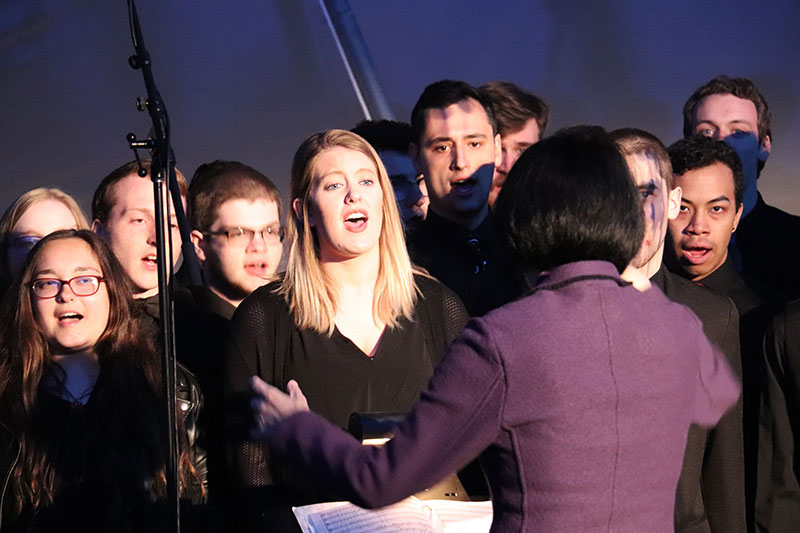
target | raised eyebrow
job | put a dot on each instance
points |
(721, 198)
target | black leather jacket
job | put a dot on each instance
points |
(190, 403)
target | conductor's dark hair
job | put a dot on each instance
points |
(570, 198)
(442, 94)
(699, 152)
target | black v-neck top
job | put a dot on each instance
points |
(334, 374)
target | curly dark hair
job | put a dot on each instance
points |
(700, 152)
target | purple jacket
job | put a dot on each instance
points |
(578, 398)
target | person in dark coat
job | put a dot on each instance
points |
(582, 420)
(710, 495)
(710, 176)
(456, 147)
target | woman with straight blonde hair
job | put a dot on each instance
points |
(352, 320)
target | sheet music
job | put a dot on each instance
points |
(412, 514)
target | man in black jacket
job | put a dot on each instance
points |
(709, 173)
(710, 494)
(455, 147)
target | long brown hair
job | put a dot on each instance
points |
(124, 415)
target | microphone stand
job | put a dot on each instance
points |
(162, 171)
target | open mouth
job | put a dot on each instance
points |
(69, 317)
(256, 269)
(356, 221)
(150, 260)
(696, 254)
(462, 185)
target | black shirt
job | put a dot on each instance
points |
(757, 305)
(710, 495)
(778, 489)
(211, 302)
(767, 245)
(336, 377)
(473, 264)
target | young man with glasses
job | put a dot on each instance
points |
(235, 214)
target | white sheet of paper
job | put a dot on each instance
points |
(411, 514)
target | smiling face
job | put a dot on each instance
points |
(232, 269)
(345, 204)
(457, 154)
(700, 234)
(70, 323)
(40, 219)
(512, 144)
(131, 232)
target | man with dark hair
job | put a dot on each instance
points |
(235, 214)
(711, 486)
(521, 120)
(456, 146)
(711, 204)
(123, 214)
(391, 139)
(734, 110)
(710, 176)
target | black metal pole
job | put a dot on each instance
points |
(162, 171)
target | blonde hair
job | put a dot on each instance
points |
(311, 294)
(22, 204)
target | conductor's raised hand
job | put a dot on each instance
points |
(271, 405)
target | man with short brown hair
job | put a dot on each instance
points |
(521, 120)
(235, 214)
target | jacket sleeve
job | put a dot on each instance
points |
(718, 389)
(456, 418)
(778, 491)
(723, 464)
